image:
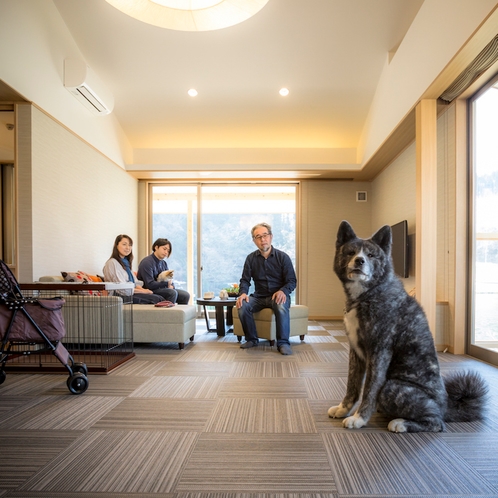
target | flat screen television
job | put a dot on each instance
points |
(399, 250)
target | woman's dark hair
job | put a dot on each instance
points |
(115, 253)
(162, 242)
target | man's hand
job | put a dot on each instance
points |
(240, 299)
(279, 297)
(141, 290)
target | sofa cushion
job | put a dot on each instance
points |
(51, 278)
(76, 276)
(80, 277)
(266, 326)
(148, 313)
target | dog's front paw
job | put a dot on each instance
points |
(354, 422)
(338, 411)
(397, 425)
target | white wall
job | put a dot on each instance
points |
(34, 42)
(439, 30)
(394, 200)
(323, 206)
(73, 201)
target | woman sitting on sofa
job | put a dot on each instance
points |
(118, 269)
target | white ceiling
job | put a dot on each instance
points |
(329, 53)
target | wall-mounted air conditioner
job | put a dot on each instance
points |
(85, 85)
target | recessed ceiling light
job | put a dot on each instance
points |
(284, 92)
(192, 92)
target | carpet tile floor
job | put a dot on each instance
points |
(215, 421)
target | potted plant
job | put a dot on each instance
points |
(233, 290)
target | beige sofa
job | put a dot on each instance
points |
(153, 324)
(266, 327)
(91, 319)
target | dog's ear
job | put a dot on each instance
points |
(344, 234)
(383, 238)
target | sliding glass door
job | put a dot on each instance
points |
(209, 226)
(483, 339)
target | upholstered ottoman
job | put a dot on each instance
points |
(176, 324)
(265, 323)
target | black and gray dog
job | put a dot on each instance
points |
(393, 365)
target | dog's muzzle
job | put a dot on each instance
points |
(359, 262)
(357, 269)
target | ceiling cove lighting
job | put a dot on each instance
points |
(190, 15)
(284, 92)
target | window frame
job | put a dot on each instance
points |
(199, 184)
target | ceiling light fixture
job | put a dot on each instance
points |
(192, 92)
(190, 15)
(284, 92)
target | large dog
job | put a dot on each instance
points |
(393, 365)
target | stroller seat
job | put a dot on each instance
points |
(29, 321)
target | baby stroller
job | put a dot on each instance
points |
(29, 325)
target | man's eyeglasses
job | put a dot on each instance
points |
(262, 236)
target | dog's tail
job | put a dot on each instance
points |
(467, 396)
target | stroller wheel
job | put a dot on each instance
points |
(79, 367)
(77, 383)
(3, 375)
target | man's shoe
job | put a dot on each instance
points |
(285, 349)
(248, 344)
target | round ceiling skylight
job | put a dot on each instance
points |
(190, 15)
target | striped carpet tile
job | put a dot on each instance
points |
(254, 495)
(149, 414)
(206, 355)
(65, 494)
(479, 450)
(179, 387)
(29, 452)
(31, 385)
(104, 385)
(310, 356)
(265, 369)
(396, 464)
(323, 369)
(262, 353)
(190, 368)
(334, 356)
(324, 339)
(262, 416)
(487, 425)
(117, 462)
(318, 331)
(269, 463)
(138, 368)
(326, 388)
(263, 388)
(162, 351)
(11, 403)
(75, 413)
(313, 327)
